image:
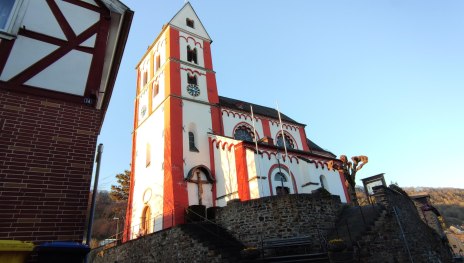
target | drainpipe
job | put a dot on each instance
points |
(94, 194)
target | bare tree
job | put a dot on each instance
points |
(349, 170)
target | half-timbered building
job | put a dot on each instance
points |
(58, 63)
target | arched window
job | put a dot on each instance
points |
(155, 89)
(244, 133)
(145, 78)
(321, 179)
(192, 55)
(192, 146)
(157, 62)
(280, 177)
(288, 141)
(145, 220)
(192, 79)
(148, 155)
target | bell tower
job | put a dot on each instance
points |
(175, 109)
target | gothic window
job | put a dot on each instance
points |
(155, 89)
(145, 78)
(190, 22)
(192, 146)
(192, 79)
(288, 141)
(280, 177)
(148, 155)
(244, 133)
(157, 62)
(192, 55)
(145, 220)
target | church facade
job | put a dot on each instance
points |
(194, 147)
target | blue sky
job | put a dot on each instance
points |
(378, 78)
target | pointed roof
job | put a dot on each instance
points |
(180, 18)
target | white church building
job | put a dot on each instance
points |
(194, 147)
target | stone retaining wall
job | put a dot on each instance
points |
(249, 221)
(280, 217)
(171, 245)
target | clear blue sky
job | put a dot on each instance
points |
(378, 78)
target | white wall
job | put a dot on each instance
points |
(152, 176)
(225, 169)
(194, 42)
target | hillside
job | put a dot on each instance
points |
(449, 201)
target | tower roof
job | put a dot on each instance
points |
(195, 26)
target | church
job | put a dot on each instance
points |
(191, 146)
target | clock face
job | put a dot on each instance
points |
(193, 90)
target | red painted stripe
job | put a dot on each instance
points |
(242, 172)
(266, 128)
(213, 98)
(175, 188)
(304, 143)
(173, 40)
(207, 55)
(343, 180)
(5, 49)
(212, 168)
(98, 60)
(212, 88)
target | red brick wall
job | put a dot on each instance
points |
(47, 152)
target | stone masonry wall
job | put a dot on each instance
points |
(280, 217)
(249, 221)
(171, 245)
(47, 152)
(386, 242)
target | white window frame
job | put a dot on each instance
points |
(15, 19)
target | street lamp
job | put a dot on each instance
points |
(117, 228)
(278, 157)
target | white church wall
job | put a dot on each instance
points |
(196, 119)
(335, 184)
(253, 181)
(149, 176)
(159, 49)
(194, 42)
(179, 21)
(201, 81)
(225, 170)
(158, 97)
